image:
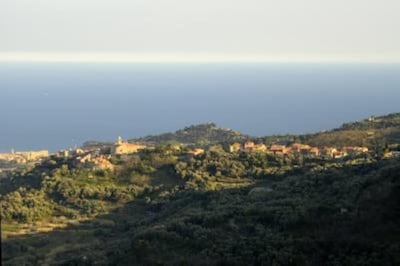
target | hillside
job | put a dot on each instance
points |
(202, 134)
(330, 215)
(371, 132)
(166, 205)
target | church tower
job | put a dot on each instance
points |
(119, 141)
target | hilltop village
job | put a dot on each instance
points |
(196, 140)
(372, 137)
(298, 148)
(99, 158)
(24, 157)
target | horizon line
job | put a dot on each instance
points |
(188, 58)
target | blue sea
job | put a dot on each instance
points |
(60, 105)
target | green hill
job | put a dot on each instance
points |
(202, 134)
(369, 132)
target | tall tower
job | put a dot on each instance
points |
(119, 141)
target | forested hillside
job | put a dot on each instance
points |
(214, 209)
(179, 205)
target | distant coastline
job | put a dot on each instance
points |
(53, 106)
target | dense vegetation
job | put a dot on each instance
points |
(164, 206)
(203, 134)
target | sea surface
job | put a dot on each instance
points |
(60, 105)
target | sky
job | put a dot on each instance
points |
(207, 30)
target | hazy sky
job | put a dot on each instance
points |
(288, 29)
